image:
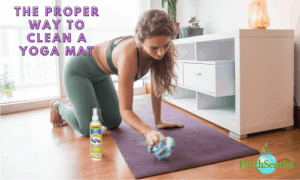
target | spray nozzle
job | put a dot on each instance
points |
(95, 114)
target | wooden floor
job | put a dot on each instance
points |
(29, 151)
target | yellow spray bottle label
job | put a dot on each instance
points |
(96, 142)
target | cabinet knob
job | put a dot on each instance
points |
(197, 73)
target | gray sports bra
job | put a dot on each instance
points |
(110, 48)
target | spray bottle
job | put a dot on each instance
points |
(96, 137)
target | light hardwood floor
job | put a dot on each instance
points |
(29, 151)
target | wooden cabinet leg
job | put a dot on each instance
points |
(240, 137)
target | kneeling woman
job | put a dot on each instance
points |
(88, 82)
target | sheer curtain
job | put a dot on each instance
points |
(44, 73)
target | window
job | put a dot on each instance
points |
(39, 78)
(19, 68)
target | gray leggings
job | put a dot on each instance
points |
(88, 87)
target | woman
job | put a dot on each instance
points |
(88, 83)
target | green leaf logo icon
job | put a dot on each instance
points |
(265, 150)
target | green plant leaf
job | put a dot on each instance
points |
(172, 9)
(260, 151)
(163, 3)
(172, 3)
(267, 148)
(266, 144)
(264, 150)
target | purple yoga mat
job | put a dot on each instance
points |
(196, 144)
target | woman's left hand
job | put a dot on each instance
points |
(162, 125)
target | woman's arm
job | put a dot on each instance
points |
(156, 106)
(126, 74)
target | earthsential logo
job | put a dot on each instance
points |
(266, 163)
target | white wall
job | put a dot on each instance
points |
(225, 15)
(185, 10)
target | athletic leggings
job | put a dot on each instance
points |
(88, 87)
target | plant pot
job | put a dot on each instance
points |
(188, 32)
(195, 32)
(9, 93)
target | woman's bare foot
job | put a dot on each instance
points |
(64, 122)
(69, 104)
(55, 118)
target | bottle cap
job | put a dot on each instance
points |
(95, 114)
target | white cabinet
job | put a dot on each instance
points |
(241, 80)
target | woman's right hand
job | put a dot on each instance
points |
(153, 137)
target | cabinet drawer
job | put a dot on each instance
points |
(200, 76)
(216, 78)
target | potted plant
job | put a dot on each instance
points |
(193, 30)
(6, 87)
(172, 11)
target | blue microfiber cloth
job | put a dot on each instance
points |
(162, 151)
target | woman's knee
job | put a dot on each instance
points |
(85, 132)
(110, 121)
(106, 121)
(85, 128)
(115, 124)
